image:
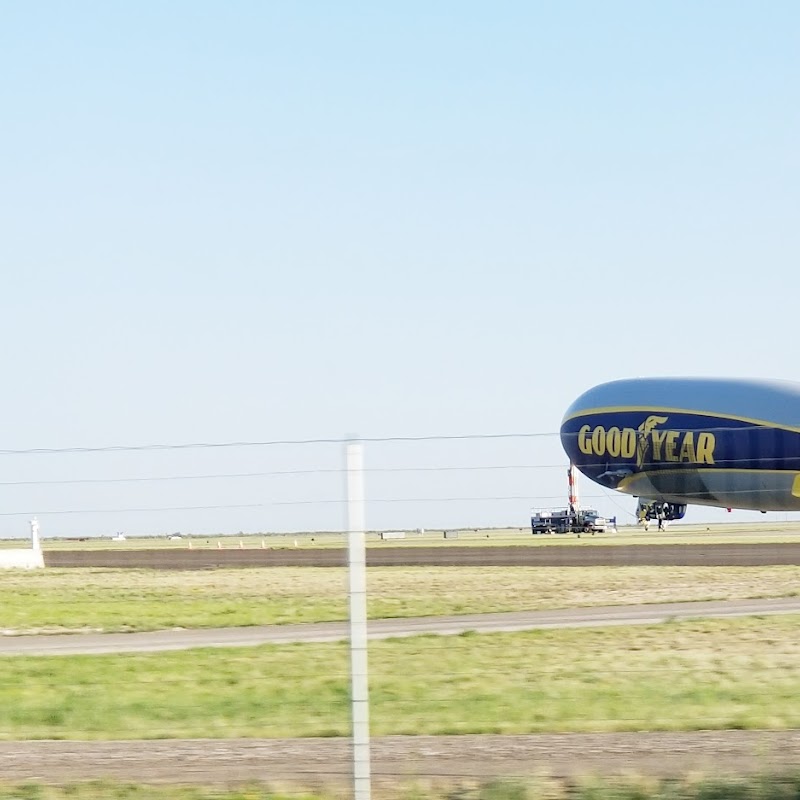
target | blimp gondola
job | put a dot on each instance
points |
(730, 443)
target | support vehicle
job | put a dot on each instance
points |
(567, 520)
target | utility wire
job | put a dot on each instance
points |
(528, 498)
(273, 473)
(364, 439)
(270, 503)
(645, 467)
(271, 443)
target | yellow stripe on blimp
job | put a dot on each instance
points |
(625, 484)
(761, 423)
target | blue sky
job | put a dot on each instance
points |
(256, 221)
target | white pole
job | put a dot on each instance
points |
(35, 543)
(357, 571)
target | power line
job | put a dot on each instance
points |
(376, 470)
(339, 471)
(343, 440)
(271, 503)
(281, 472)
(528, 498)
(270, 443)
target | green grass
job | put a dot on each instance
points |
(720, 787)
(712, 674)
(109, 790)
(56, 600)
(763, 787)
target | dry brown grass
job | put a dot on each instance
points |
(105, 600)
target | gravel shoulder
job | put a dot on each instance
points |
(402, 760)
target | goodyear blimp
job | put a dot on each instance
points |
(730, 443)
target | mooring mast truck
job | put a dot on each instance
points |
(566, 520)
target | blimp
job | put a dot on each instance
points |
(729, 443)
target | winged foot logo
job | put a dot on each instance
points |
(648, 443)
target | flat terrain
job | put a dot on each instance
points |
(771, 532)
(682, 674)
(669, 678)
(125, 600)
(404, 760)
(555, 555)
(309, 633)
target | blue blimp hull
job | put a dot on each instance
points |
(716, 442)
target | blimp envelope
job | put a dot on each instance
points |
(732, 443)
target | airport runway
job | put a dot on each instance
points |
(555, 555)
(155, 641)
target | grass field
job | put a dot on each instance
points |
(766, 787)
(54, 600)
(700, 674)
(705, 674)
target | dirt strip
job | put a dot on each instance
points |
(405, 759)
(590, 555)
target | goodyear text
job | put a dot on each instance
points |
(648, 443)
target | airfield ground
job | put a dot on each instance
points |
(400, 763)
(454, 555)
(755, 533)
(721, 545)
(315, 761)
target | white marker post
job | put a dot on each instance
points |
(357, 572)
(36, 544)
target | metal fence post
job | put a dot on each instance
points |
(357, 578)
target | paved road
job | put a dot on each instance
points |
(74, 644)
(555, 555)
(404, 759)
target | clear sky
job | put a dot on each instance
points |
(227, 221)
